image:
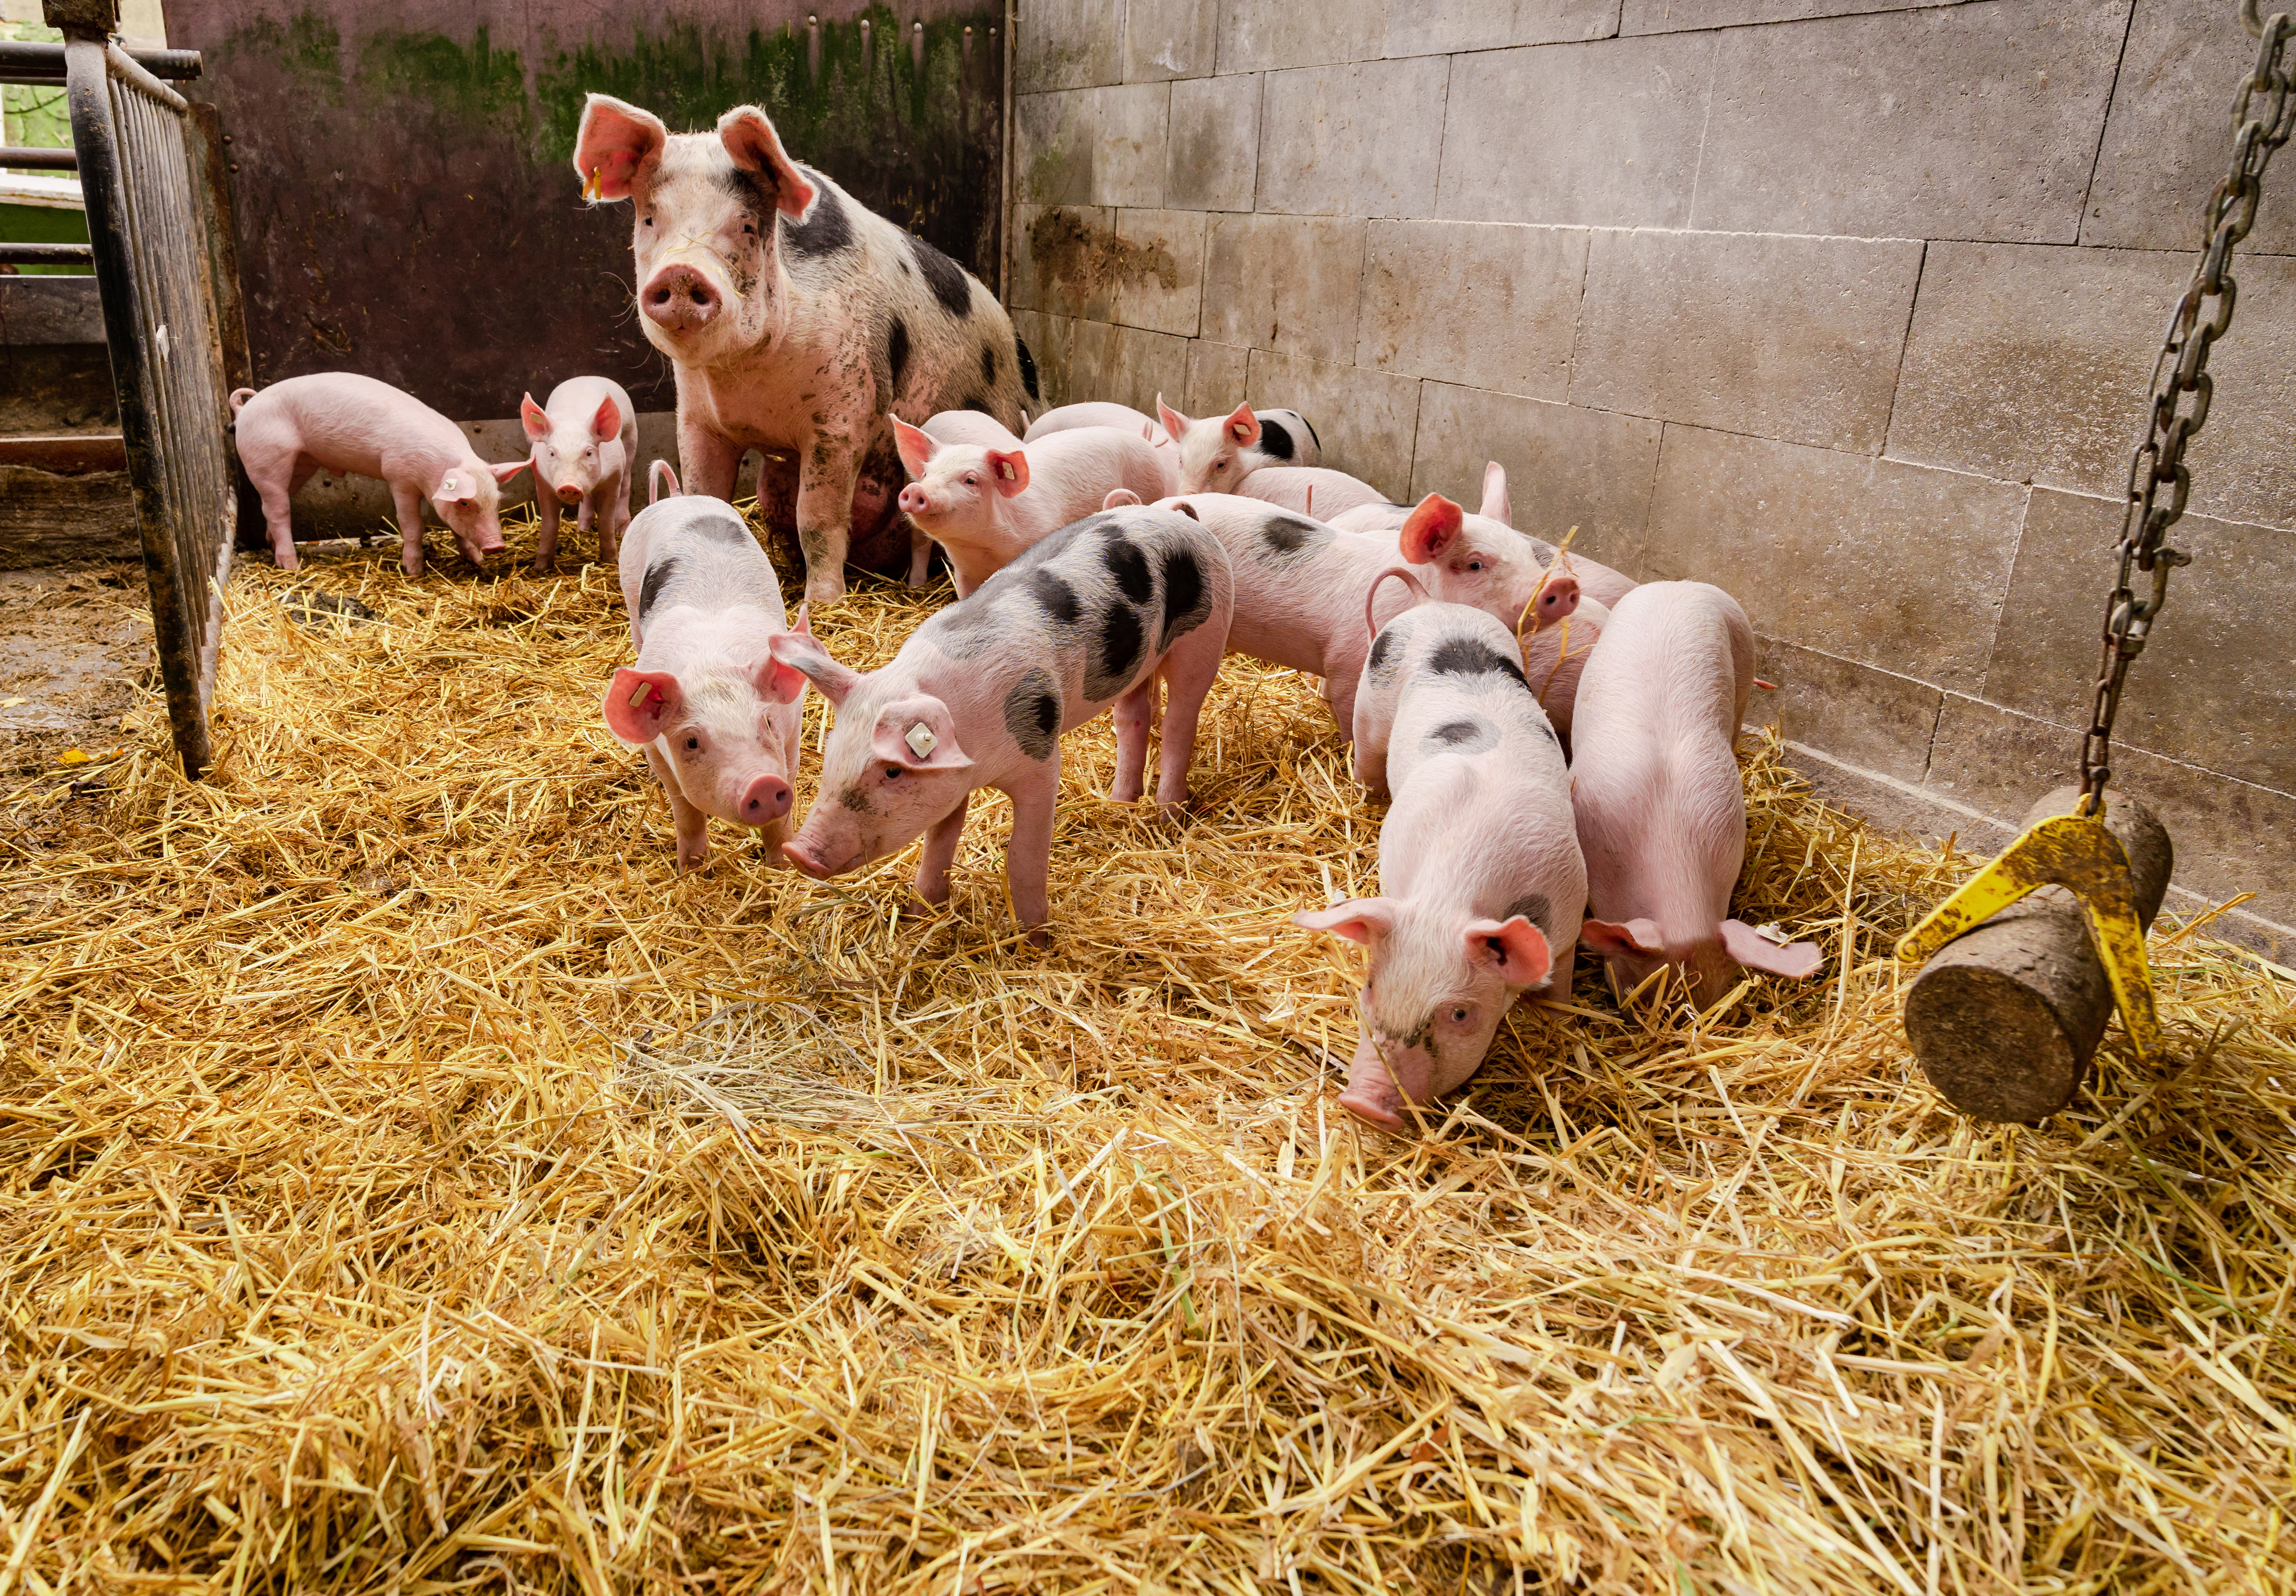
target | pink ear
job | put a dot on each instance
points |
(781, 683)
(504, 469)
(917, 733)
(1175, 423)
(640, 702)
(749, 137)
(799, 650)
(916, 446)
(1010, 467)
(1494, 493)
(1428, 530)
(1117, 497)
(1358, 919)
(1244, 426)
(608, 422)
(1513, 950)
(1796, 960)
(1618, 939)
(615, 139)
(533, 418)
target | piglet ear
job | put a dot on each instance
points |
(1615, 940)
(1357, 919)
(1009, 468)
(533, 418)
(1513, 950)
(916, 446)
(918, 732)
(798, 649)
(1175, 423)
(749, 137)
(608, 422)
(1494, 493)
(1796, 960)
(640, 702)
(779, 682)
(504, 469)
(1118, 497)
(1428, 530)
(1242, 427)
(460, 484)
(616, 139)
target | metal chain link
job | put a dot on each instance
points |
(2181, 371)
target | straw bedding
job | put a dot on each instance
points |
(411, 1184)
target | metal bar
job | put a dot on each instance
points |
(46, 255)
(211, 176)
(40, 65)
(122, 66)
(23, 158)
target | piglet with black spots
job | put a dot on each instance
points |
(1216, 452)
(1090, 618)
(1481, 559)
(1661, 807)
(718, 717)
(1479, 872)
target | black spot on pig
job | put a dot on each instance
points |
(1466, 735)
(1185, 605)
(1382, 652)
(1129, 567)
(1115, 654)
(1275, 439)
(944, 276)
(988, 365)
(1027, 363)
(1473, 656)
(1533, 907)
(1283, 537)
(657, 578)
(897, 359)
(1053, 594)
(1311, 434)
(826, 229)
(977, 403)
(726, 528)
(1032, 714)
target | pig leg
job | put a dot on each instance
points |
(1371, 767)
(545, 547)
(1131, 715)
(707, 463)
(824, 508)
(408, 499)
(1028, 853)
(920, 556)
(614, 513)
(1190, 668)
(692, 825)
(939, 853)
(585, 518)
(271, 484)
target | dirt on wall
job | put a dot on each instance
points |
(1081, 261)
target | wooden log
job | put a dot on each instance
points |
(51, 519)
(2005, 1018)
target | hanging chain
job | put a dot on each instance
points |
(2261, 127)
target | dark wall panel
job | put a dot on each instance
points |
(406, 202)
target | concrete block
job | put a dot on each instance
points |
(1144, 268)
(1048, 337)
(1169, 38)
(1890, 565)
(2230, 837)
(1092, 146)
(1066, 44)
(1214, 156)
(1964, 121)
(1676, 16)
(2213, 687)
(2032, 365)
(1287, 283)
(1362, 419)
(1566, 467)
(2168, 140)
(1438, 26)
(1217, 376)
(1873, 718)
(1615, 125)
(1080, 360)
(1046, 274)
(1787, 338)
(1485, 305)
(1257, 35)
(1363, 140)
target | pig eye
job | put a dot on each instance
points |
(694, 745)
(972, 478)
(1459, 1015)
(892, 772)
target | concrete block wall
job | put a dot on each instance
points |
(1848, 305)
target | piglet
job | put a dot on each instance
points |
(584, 441)
(1218, 451)
(1480, 873)
(342, 422)
(1068, 418)
(986, 504)
(718, 717)
(1485, 559)
(1661, 810)
(1092, 616)
(1308, 490)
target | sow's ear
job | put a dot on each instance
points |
(750, 138)
(533, 418)
(916, 447)
(918, 734)
(1009, 468)
(1244, 426)
(640, 702)
(1620, 940)
(1494, 493)
(1513, 950)
(1750, 948)
(615, 141)
(1428, 530)
(798, 650)
(1358, 919)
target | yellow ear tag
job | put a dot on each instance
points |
(1004, 470)
(647, 690)
(921, 739)
(590, 184)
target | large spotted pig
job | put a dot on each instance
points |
(719, 719)
(1480, 879)
(1216, 452)
(584, 442)
(1661, 807)
(1091, 618)
(798, 320)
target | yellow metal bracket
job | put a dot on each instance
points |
(2080, 855)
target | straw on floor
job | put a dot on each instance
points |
(408, 1183)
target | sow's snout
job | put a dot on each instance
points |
(678, 298)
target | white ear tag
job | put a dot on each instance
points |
(1004, 470)
(447, 485)
(921, 739)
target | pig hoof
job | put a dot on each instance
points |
(286, 561)
(824, 590)
(1039, 937)
(545, 568)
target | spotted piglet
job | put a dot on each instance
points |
(1089, 619)
(1479, 872)
(1217, 453)
(584, 441)
(1662, 808)
(718, 717)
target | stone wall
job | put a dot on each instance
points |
(1846, 305)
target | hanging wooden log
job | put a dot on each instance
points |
(2005, 1019)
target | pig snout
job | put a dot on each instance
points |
(765, 801)
(568, 493)
(916, 500)
(678, 298)
(1558, 598)
(1371, 1095)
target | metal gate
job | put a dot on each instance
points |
(156, 258)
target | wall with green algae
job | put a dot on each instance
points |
(406, 202)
